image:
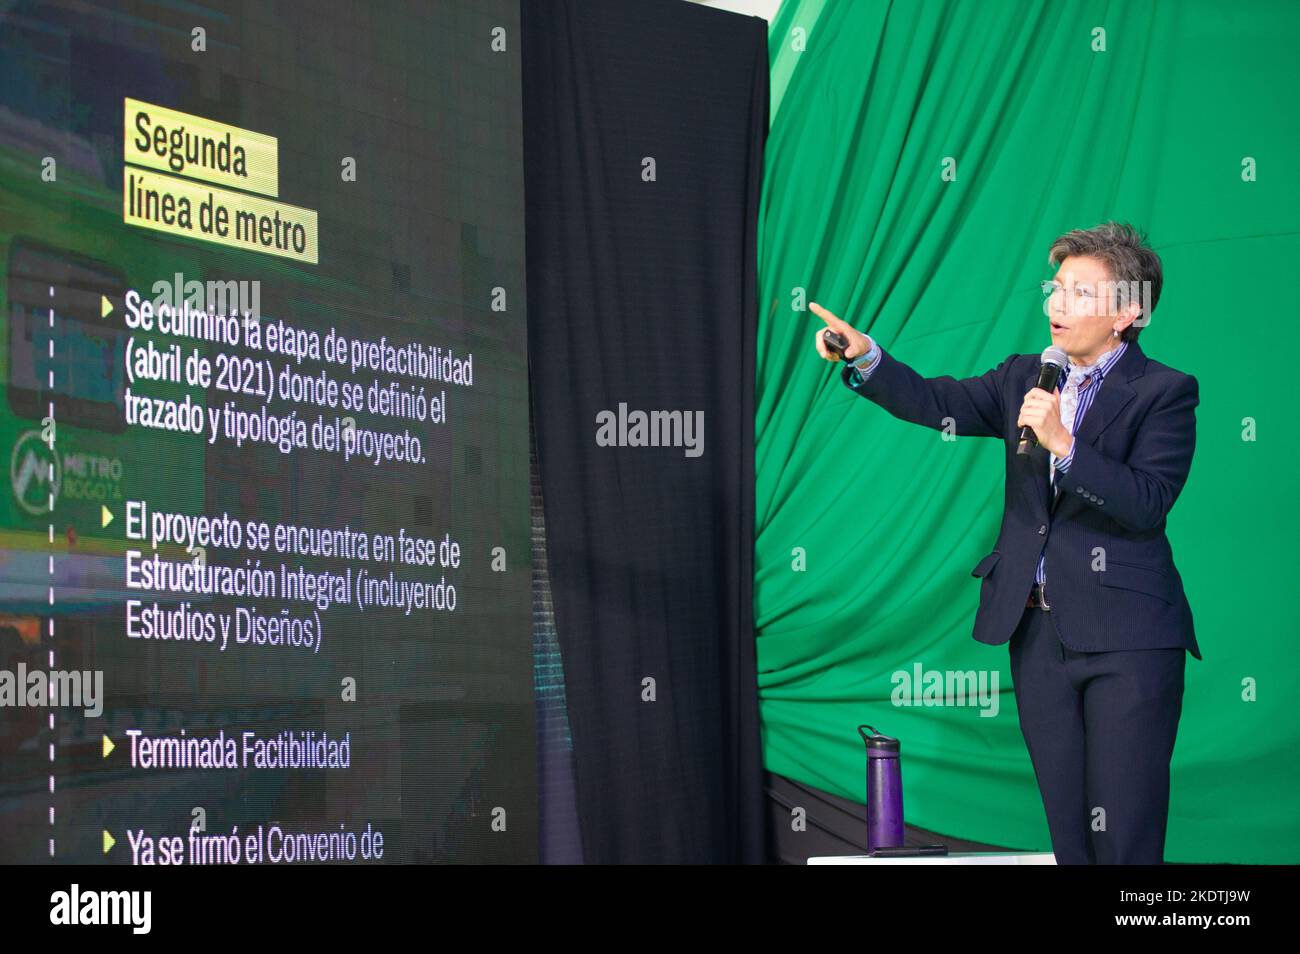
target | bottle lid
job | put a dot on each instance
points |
(877, 741)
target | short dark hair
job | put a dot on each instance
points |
(1127, 256)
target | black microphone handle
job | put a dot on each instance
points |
(1049, 375)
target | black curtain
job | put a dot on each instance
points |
(644, 125)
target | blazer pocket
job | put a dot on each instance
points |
(1142, 579)
(984, 566)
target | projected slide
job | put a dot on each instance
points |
(264, 567)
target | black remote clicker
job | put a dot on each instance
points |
(835, 343)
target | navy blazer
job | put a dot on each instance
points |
(1111, 579)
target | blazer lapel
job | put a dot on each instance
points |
(1113, 397)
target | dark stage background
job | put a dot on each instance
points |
(642, 207)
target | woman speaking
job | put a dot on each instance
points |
(1081, 580)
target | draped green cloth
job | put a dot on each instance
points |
(867, 528)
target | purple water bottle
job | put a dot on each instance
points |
(884, 791)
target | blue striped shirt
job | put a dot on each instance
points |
(1087, 391)
(867, 363)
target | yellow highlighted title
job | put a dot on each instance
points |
(199, 148)
(195, 210)
(204, 149)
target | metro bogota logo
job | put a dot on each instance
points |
(35, 473)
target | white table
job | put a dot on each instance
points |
(953, 858)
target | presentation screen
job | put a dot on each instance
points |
(264, 565)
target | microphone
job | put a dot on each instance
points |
(1049, 376)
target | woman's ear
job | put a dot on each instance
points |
(1129, 315)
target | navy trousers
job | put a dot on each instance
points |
(1100, 730)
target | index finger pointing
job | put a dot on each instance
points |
(830, 319)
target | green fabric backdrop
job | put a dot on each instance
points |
(1047, 135)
